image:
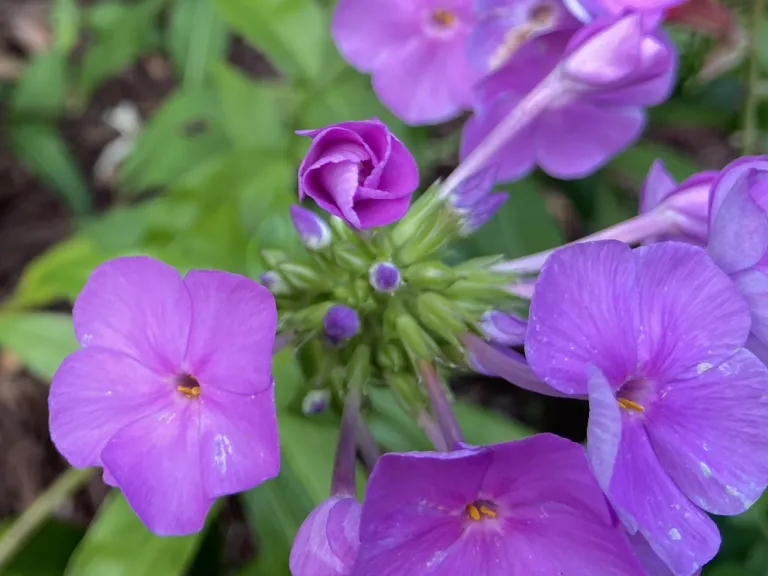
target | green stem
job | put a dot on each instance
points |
(31, 519)
(751, 136)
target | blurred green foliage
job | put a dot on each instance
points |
(207, 184)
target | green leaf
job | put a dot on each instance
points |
(197, 39)
(65, 19)
(293, 34)
(182, 135)
(47, 552)
(40, 93)
(40, 339)
(118, 544)
(59, 273)
(124, 34)
(44, 151)
(633, 165)
(522, 226)
(254, 114)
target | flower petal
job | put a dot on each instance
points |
(658, 185)
(710, 435)
(556, 518)
(138, 306)
(239, 445)
(156, 463)
(604, 428)
(94, 393)
(753, 284)
(582, 313)
(373, 213)
(400, 175)
(691, 315)
(576, 139)
(428, 81)
(233, 332)
(648, 501)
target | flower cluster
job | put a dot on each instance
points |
(172, 394)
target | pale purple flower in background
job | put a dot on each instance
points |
(513, 509)
(415, 50)
(599, 82)
(384, 277)
(341, 323)
(586, 10)
(686, 203)
(738, 239)
(678, 407)
(503, 26)
(327, 541)
(172, 391)
(314, 232)
(360, 172)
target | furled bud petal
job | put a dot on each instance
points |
(314, 232)
(327, 541)
(624, 52)
(503, 328)
(274, 282)
(687, 203)
(341, 323)
(482, 212)
(475, 188)
(435, 275)
(359, 171)
(384, 277)
(316, 401)
(586, 10)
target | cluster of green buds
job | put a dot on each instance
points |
(384, 291)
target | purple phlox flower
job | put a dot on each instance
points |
(414, 49)
(518, 508)
(341, 323)
(678, 407)
(328, 540)
(738, 237)
(474, 201)
(586, 10)
(503, 328)
(314, 232)
(599, 82)
(686, 203)
(505, 25)
(172, 391)
(384, 277)
(360, 172)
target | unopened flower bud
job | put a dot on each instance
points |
(342, 230)
(435, 275)
(274, 282)
(316, 401)
(351, 257)
(407, 392)
(439, 315)
(390, 357)
(430, 240)
(273, 258)
(303, 277)
(476, 291)
(422, 215)
(503, 328)
(384, 277)
(314, 232)
(341, 323)
(416, 341)
(310, 318)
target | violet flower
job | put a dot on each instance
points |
(505, 25)
(738, 240)
(590, 90)
(586, 10)
(360, 172)
(678, 407)
(172, 391)
(525, 507)
(687, 203)
(414, 49)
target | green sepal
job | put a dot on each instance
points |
(434, 275)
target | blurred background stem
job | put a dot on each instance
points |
(751, 144)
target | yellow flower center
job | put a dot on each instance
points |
(443, 18)
(188, 386)
(477, 511)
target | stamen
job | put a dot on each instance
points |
(543, 15)
(487, 512)
(473, 512)
(443, 17)
(629, 405)
(477, 511)
(192, 391)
